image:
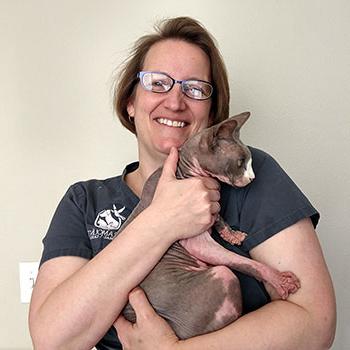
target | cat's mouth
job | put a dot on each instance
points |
(238, 182)
(242, 181)
(171, 123)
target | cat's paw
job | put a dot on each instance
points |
(285, 284)
(232, 236)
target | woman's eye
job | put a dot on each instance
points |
(195, 91)
(158, 83)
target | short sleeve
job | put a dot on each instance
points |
(67, 235)
(272, 202)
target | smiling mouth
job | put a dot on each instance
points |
(172, 123)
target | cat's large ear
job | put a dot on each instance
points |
(232, 125)
(226, 130)
(241, 119)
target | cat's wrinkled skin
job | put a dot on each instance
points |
(192, 286)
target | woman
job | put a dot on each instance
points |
(85, 277)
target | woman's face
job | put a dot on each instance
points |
(151, 111)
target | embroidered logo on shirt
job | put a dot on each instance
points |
(110, 219)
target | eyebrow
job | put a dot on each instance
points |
(191, 78)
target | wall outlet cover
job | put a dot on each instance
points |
(28, 272)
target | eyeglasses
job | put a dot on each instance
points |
(161, 82)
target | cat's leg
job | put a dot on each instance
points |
(206, 249)
(234, 237)
(193, 297)
(211, 300)
(146, 197)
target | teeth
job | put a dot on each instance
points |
(173, 123)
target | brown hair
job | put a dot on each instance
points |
(182, 28)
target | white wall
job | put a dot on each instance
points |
(289, 64)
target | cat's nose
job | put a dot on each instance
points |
(249, 171)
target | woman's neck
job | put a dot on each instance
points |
(137, 179)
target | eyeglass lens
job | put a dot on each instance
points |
(161, 82)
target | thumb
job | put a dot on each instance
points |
(139, 302)
(170, 164)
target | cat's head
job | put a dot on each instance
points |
(221, 153)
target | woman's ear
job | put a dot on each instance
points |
(130, 109)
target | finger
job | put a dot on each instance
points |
(213, 220)
(122, 325)
(211, 183)
(142, 307)
(215, 208)
(214, 195)
(170, 164)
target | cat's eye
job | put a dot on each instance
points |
(240, 162)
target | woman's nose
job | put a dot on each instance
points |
(175, 98)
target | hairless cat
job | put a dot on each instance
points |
(193, 286)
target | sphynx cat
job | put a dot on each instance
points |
(193, 286)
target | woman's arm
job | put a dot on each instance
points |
(305, 321)
(75, 301)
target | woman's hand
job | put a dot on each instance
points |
(150, 330)
(187, 207)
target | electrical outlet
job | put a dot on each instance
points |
(27, 277)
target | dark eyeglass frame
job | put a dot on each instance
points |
(141, 74)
